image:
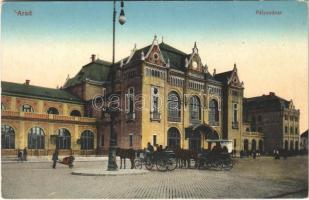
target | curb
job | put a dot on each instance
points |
(109, 173)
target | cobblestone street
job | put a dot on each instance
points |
(261, 178)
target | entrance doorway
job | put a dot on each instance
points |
(195, 142)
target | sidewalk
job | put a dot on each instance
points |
(12, 159)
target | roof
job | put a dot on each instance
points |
(177, 58)
(304, 134)
(97, 70)
(30, 91)
(267, 102)
(224, 76)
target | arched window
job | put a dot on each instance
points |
(63, 139)
(173, 138)
(53, 111)
(36, 138)
(27, 108)
(75, 113)
(173, 105)
(7, 137)
(213, 114)
(87, 140)
(253, 145)
(246, 145)
(195, 109)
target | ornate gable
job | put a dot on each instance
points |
(154, 54)
(234, 79)
(194, 63)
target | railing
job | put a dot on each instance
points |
(214, 123)
(174, 119)
(195, 121)
(10, 113)
(254, 133)
(155, 116)
(235, 125)
(30, 115)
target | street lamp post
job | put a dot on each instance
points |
(112, 153)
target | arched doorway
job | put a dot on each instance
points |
(7, 137)
(291, 145)
(261, 146)
(195, 141)
(296, 145)
(253, 145)
(246, 145)
(63, 139)
(286, 145)
(36, 138)
(87, 140)
(173, 138)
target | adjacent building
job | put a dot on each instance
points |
(304, 141)
(276, 117)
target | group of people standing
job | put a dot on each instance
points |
(22, 154)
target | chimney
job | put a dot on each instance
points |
(27, 82)
(92, 57)
(272, 94)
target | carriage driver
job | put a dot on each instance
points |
(149, 150)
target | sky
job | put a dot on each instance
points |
(270, 51)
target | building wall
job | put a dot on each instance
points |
(290, 129)
(22, 122)
(273, 125)
(234, 96)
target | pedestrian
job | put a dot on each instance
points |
(254, 154)
(25, 154)
(149, 151)
(55, 158)
(19, 154)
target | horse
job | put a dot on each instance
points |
(126, 153)
(184, 156)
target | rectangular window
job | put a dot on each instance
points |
(291, 130)
(154, 140)
(286, 129)
(131, 140)
(235, 113)
(234, 143)
(285, 117)
(296, 130)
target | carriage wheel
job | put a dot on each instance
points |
(161, 165)
(138, 164)
(171, 164)
(227, 164)
(218, 164)
(148, 164)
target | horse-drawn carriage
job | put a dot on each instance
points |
(164, 160)
(215, 160)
